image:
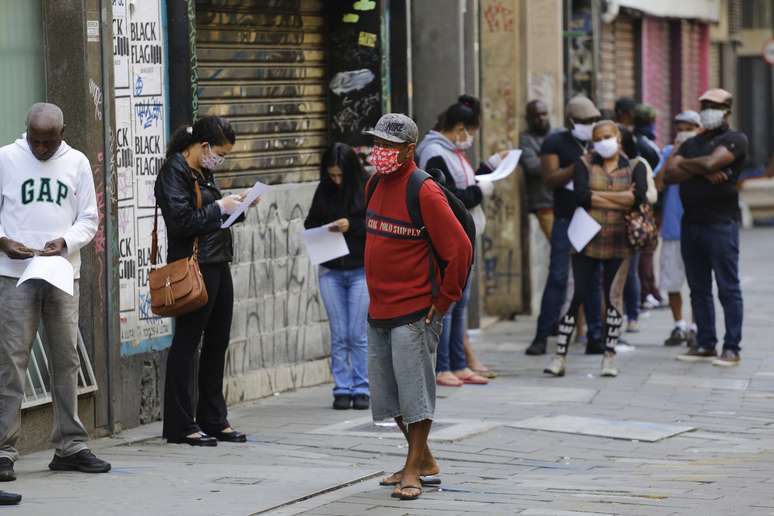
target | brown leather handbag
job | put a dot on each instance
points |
(176, 288)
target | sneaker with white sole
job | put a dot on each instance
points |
(609, 368)
(698, 355)
(557, 366)
(729, 358)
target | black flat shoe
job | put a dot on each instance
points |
(204, 440)
(6, 470)
(230, 437)
(9, 498)
(360, 402)
(342, 402)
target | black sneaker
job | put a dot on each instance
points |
(595, 347)
(342, 402)
(698, 355)
(361, 402)
(538, 347)
(7, 473)
(677, 338)
(690, 340)
(729, 358)
(9, 498)
(84, 461)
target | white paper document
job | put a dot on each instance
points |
(56, 270)
(570, 186)
(257, 190)
(582, 229)
(324, 245)
(504, 169)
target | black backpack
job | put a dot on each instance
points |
(418, 177)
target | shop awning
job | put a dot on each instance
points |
(707, 10)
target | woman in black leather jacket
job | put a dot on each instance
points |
(194, 153)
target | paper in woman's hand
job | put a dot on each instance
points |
(324, 245)
(582, 229)
(252, 194)
(504, 169)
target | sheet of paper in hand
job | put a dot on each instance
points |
(582, 229)
(56, 270)
(257, 190)
(504, 169)
(324, 245)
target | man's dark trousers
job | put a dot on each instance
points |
(708, 249)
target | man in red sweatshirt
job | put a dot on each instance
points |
(405, 315)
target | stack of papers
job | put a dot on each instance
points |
(55, 270)
(257, 190)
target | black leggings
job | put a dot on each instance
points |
(214, 321)
(614, 279)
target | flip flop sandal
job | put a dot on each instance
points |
(409, 497)
(429, 480)
(449, 383)
(474, 379)
(486, 374)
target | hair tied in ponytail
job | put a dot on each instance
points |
(189, 129)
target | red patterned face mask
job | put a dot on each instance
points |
(384, 159)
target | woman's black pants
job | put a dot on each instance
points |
(213, 321)
(613, 278)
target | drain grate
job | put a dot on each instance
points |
(372, 428)
(239, 481)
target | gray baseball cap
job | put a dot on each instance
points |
(396, 128)
(691, 117)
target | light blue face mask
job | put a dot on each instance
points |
(210, 160)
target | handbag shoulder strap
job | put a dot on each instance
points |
(154, 233)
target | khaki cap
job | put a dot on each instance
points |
(717, 95)
(581, 108)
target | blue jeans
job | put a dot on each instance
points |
(632, 289)
(451, 345)
(345, 296)
(708, 249)
(556, 288)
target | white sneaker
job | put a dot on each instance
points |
(557, 366)
(608, 366)
(651, 302)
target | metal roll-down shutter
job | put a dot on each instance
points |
(261, 65)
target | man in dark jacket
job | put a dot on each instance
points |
(707, 167)
(540, 199)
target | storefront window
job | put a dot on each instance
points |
(22, 77)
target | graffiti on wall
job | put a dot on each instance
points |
(357, 86)
(140, 141)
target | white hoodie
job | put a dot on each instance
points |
(45, 200)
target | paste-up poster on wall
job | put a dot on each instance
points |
(140, 142)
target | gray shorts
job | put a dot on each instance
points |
(401, 371)
(671, 268)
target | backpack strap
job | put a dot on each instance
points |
(415, 182)
(371, 185)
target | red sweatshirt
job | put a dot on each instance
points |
(397, 257)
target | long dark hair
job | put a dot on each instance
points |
(211, 129)
(467, 110)
(343, 156)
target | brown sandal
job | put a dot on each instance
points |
(403, 496)
(425, 480)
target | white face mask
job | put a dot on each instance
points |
(582, 131)
(466, 143)
(607, 148)
(683, 136)
(712, 118)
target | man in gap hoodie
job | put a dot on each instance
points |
(48, 207)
